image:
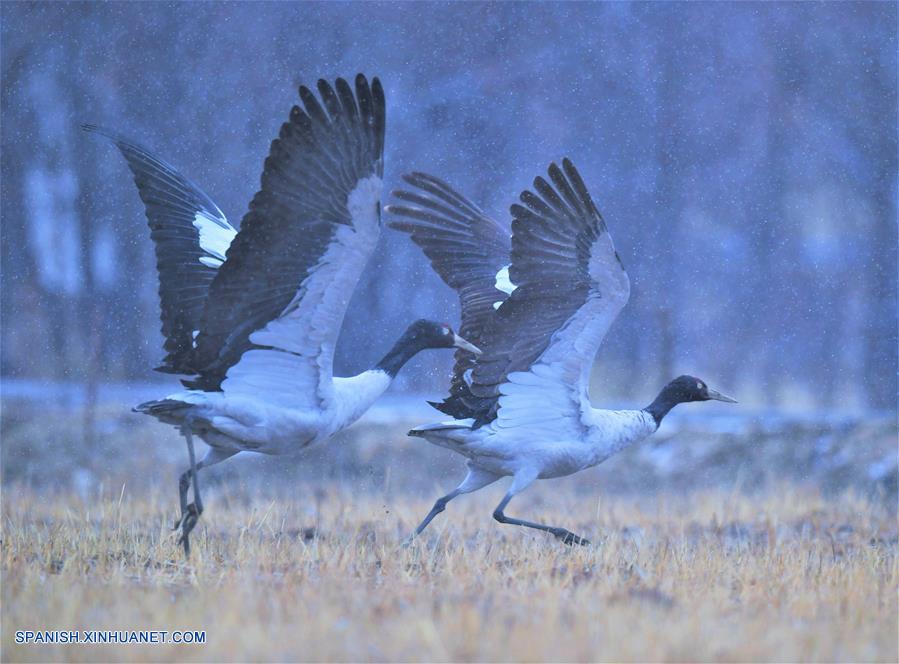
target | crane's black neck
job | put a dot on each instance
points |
(406, 347)
(662, 405)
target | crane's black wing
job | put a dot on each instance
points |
(190, 235)
(569, 285)
(276, 305)
(468, 250)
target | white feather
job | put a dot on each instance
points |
(215, 238)
(504, 284)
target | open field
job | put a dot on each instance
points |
(783, 576)
(719, 539)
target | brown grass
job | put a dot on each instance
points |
(785, 576)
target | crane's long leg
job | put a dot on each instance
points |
(519, 484)
(190, 514)
(476, 479)
(214, 456)
(183, 488)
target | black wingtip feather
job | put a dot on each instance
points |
(578, 183)
(313, 109)
(113, 136)
(380, 119)
(518, 211)
(574, 201)
(345, 92)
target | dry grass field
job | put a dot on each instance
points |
(784, 575)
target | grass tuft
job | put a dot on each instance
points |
(784, 575)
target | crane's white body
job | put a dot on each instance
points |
(236, 423)
(542, 451)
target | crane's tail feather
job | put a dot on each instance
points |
(162, 407)
(425, 429)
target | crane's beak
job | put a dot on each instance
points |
(717, 396)
(459, 342)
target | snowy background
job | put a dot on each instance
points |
(743, 155)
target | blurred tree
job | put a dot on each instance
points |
(744, 156)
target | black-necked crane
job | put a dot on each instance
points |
(254, 315)
(538, 305)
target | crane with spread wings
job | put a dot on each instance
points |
(252, 316)
(537, 302)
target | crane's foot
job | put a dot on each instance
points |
(187, 524)
(569, 538)
(184, 513)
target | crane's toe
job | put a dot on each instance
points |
(569, 538)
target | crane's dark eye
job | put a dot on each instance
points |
(445, 331)
(700, 386)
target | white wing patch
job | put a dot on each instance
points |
(466, 376)
(504, 284)
(215, 238)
